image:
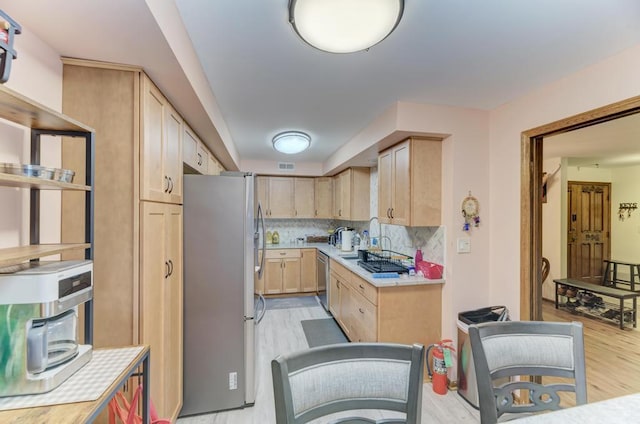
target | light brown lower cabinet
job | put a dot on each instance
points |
(288, 271)
(161, 291)
(282, 271)
(399, 314)
(340, 301)
(308, 266)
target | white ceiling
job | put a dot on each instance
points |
(477, 54)
(614, 143)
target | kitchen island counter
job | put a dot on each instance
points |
(352, 265)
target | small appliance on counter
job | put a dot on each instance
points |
(347, 240)
(275, 238)
(39, 346)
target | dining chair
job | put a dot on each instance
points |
(526, 348)
(342, 377)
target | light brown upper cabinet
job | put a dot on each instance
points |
(323, 197)
(409, 183)
(351, 194)
(304, 198)
(275, 194)
(161, 151)
(214, 167)
(137, 302)
(194, 153)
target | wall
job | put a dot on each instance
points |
(465, 158)
(553, 237)
(37, 74)
(606, 82)
(625, 234)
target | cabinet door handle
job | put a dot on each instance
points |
(295, 213)
(339, 212)
(391, 213)
(166, 269)
(166, 180)
(388, 212)
(170, 267)
(199, 159)
(283, 253)
(170, 185)
(361, 286)
(316, 212)
(361, 311)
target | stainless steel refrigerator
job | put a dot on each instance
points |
(223, 230)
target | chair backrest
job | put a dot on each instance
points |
(527, 348)
(546, 267)
(349, 376)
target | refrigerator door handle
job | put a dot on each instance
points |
(264, 240)
(264, 309)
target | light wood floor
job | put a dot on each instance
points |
(612, 355)
(281, 333)
(612, 358)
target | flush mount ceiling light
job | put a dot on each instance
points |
(344, 26)
(291, 142)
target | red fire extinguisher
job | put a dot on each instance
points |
(441, 359)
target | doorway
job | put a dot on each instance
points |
(588, 230)
(532, 195)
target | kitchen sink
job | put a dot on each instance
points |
(351, 256)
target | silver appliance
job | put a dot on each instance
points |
(39, 347)
(322, 270)
(223, 231)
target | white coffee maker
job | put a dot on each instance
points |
(39, 347)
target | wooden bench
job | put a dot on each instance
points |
(611, 278)
(612, 292)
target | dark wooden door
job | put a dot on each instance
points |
(589, 225)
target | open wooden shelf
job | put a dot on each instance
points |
(14, 255)
(17, 108)
(11, 180)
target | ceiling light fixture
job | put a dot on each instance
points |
(344, 26)
(291, 142)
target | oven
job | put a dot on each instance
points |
(322, 270)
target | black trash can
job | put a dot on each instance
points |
(467, 386)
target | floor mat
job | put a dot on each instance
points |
(320, 332)
(292, 302)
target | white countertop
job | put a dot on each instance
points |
(352, 265)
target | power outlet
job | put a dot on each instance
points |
(233, 381)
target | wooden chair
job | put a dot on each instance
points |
(527, 348)
(545, 269)
(349, 376)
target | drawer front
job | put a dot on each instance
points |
(341, 271)
(282, 253)
(364, 288)
(364, 318)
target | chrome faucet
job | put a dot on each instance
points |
(380, 236)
